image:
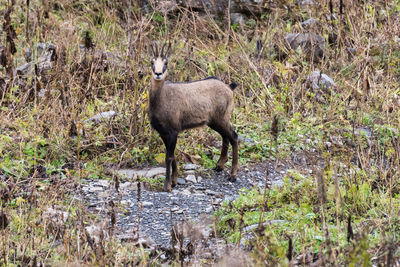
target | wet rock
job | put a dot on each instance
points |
(191, 178)
(311, 44)
(190, 166)
(181, 181)
(102, 116)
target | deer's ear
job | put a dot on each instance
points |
(162, 50)
(156, 49)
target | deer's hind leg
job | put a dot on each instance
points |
(228, 136)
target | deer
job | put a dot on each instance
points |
(178, 106)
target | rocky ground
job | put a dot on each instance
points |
(152, 214)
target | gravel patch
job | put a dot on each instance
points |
(153, 213)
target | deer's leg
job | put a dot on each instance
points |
(224, 154)
(174, 173)
(170, 143)
(234, 140)
(228, 136)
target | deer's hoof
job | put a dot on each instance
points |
(218, 169)
(232, 179)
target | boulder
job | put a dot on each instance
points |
(102, 116)
(319, 81)
(191, 178)
(44, 60)
(42, 49)
(311, 44)
(320, 84)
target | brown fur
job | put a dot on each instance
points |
(175, 107)
(182, 106)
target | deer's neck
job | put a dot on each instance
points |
(155, 92)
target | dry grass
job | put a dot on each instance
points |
(50, 131)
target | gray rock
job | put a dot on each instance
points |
(181, 181)
(44, 62)
(254, 226)
(246, 140)
(102, 116)
(363, 131)
(128, 185)
(94, 189)
(238, 18)
(40, 50)
(209, 209)
(199, 179)
(190, 166)
(147, 204)
(57, 218)
(191, 178)
(174, 209)
(317, 81)
(103, 183)
(305, 3)
(308, 23)
(95, 232)
(311, 44)
(336, 140)
(134, 173)
(185, 192)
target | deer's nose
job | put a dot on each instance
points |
(158, 73)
